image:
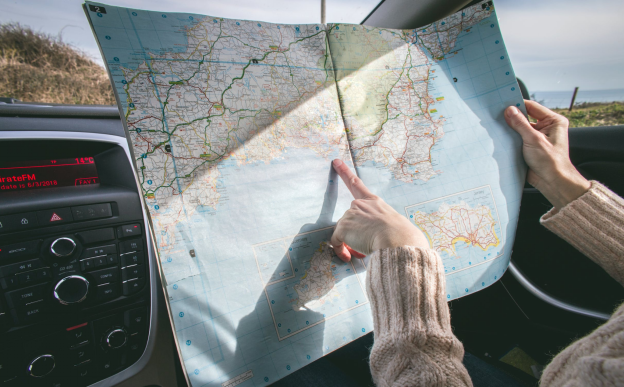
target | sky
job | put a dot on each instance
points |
(554, 45)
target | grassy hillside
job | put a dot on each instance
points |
(36, 67)
(595, 114)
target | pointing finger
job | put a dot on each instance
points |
(354, 183)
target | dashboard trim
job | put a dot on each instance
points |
(154, 270)
(528, 285)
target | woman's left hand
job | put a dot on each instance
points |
(371, 224)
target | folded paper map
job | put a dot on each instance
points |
(233, 125)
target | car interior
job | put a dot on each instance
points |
(82, 294)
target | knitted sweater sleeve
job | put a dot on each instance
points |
(414, 344)
(594, 224)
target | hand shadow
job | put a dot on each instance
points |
(286, 330)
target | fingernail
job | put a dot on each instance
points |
(338, 162)
(512, 111)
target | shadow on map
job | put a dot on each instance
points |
(258, 347)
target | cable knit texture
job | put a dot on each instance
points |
(594, 224)
(414, 344)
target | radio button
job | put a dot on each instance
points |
(22, 249)
(131, 246)
(106, 276)
(131, 272)
(54, 217)
(8, 282)
(97, 251)
(18, 222)
(31, 313)
(43, 274)
(26, 278)
(96, 236)
(103, 210)
(136, 320)
(32, 276)
(87, 264)
(99, 261)
(112, 259)
(107, 292)
(132, 259)
(133, 286)
(78, 335)
(21, 297)
(92, 211)
(129, 230)
(81, 354)
(83, 370)
(8, 270)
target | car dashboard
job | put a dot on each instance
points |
(79, 281)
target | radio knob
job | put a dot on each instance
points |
(116, 338)
(63, 247)
(71, 290)
(41, 366)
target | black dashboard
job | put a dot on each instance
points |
(78, 273)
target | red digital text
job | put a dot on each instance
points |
(18, 178)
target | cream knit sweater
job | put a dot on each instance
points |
(414, 344)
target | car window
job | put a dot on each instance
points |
(558, 45)
(48, 53)
(51, 55)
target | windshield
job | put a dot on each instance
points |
(51, 55)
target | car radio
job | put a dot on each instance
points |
(75, 300)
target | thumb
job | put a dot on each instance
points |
(518, 122)
(340, 248)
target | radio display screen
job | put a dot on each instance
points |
(28, 175)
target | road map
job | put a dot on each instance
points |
(233, 125)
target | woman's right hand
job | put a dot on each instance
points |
(545, 150)
(371, 224)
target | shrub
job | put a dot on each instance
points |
(36, 67)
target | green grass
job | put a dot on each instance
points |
(594, 114)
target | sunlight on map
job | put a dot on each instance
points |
(233, 125)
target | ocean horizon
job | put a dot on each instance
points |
(561, 99)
